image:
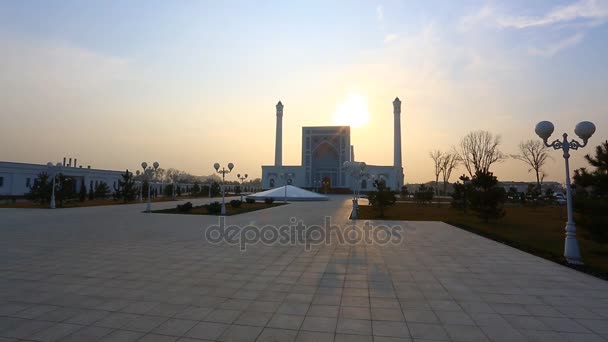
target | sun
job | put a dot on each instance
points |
(352, 111)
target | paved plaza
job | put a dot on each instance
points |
(116, 274)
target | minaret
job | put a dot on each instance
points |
(278, 145)
(397, 148)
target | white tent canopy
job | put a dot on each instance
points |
(293, 194)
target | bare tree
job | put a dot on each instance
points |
(450, 161)
(437, 157)
(535, 154)
(479, 150)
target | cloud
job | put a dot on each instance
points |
(471, 20)
(380, 13)
(552, 49)
(581, 10)
(390, 38)
(589, 12)
(49, 66)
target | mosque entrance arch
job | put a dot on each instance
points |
(325, 163)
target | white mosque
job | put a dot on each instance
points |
(324, 151)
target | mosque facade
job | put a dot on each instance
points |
(324, 151)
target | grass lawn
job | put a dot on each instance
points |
(76, 204)
(202, 210)
(539, 231)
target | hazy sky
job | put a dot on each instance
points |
(189, 83)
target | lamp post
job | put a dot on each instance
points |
(356, 171)
(316, 185)
(286, 176)
(53, 169)
(223, 171)
(173, 180)
(148, 172)
(583, 130)
(140, 187)
(242, 180)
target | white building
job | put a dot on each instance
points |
(324, 151)
(16, 179)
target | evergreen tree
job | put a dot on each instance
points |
(461, 197)
(82, 195)
(91, 194)
(126, 187)
(216, 190)
(382, 197)
(196, 190)
(102, 190)
(40, 192)
(591, 199)
(65, 189)
(487, 198)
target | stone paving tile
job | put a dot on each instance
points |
(281, 321)
(382, 314)
(323, 311)
(354, 326)
(145, 323)
(277, 335)
(293, 309)
(426, 331)
(240, 333)
(391, 329)
(55, 332)
(353, 338)
(122, 336)
(253, 318)
(143, 266)
(116, 320)
(157, 338)
(207, 330)
(223, 316)
(25, 328)
(312, 336)
(89, 333)
(320, 324)
(174, 327)
(465, 333)
(194, 313)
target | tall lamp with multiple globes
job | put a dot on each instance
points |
(53, 170)
(148, 172)
(583, 130)
(242, 178)
(357, 171)
(223, 171)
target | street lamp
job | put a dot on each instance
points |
(286, 176)
(140, 186)
(148, 172)
(583, 130)
(316, 185)
(223, 171)
(53, 169)
(356, 171)
(242, 179)
(173, 180)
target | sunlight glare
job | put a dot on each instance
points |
(352, 111)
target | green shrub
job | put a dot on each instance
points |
(182, 208)
(214, 208)
(487, 198)
(382, 197)
(236, 203)
(249, 200)
(269, 200)
(424, 194)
